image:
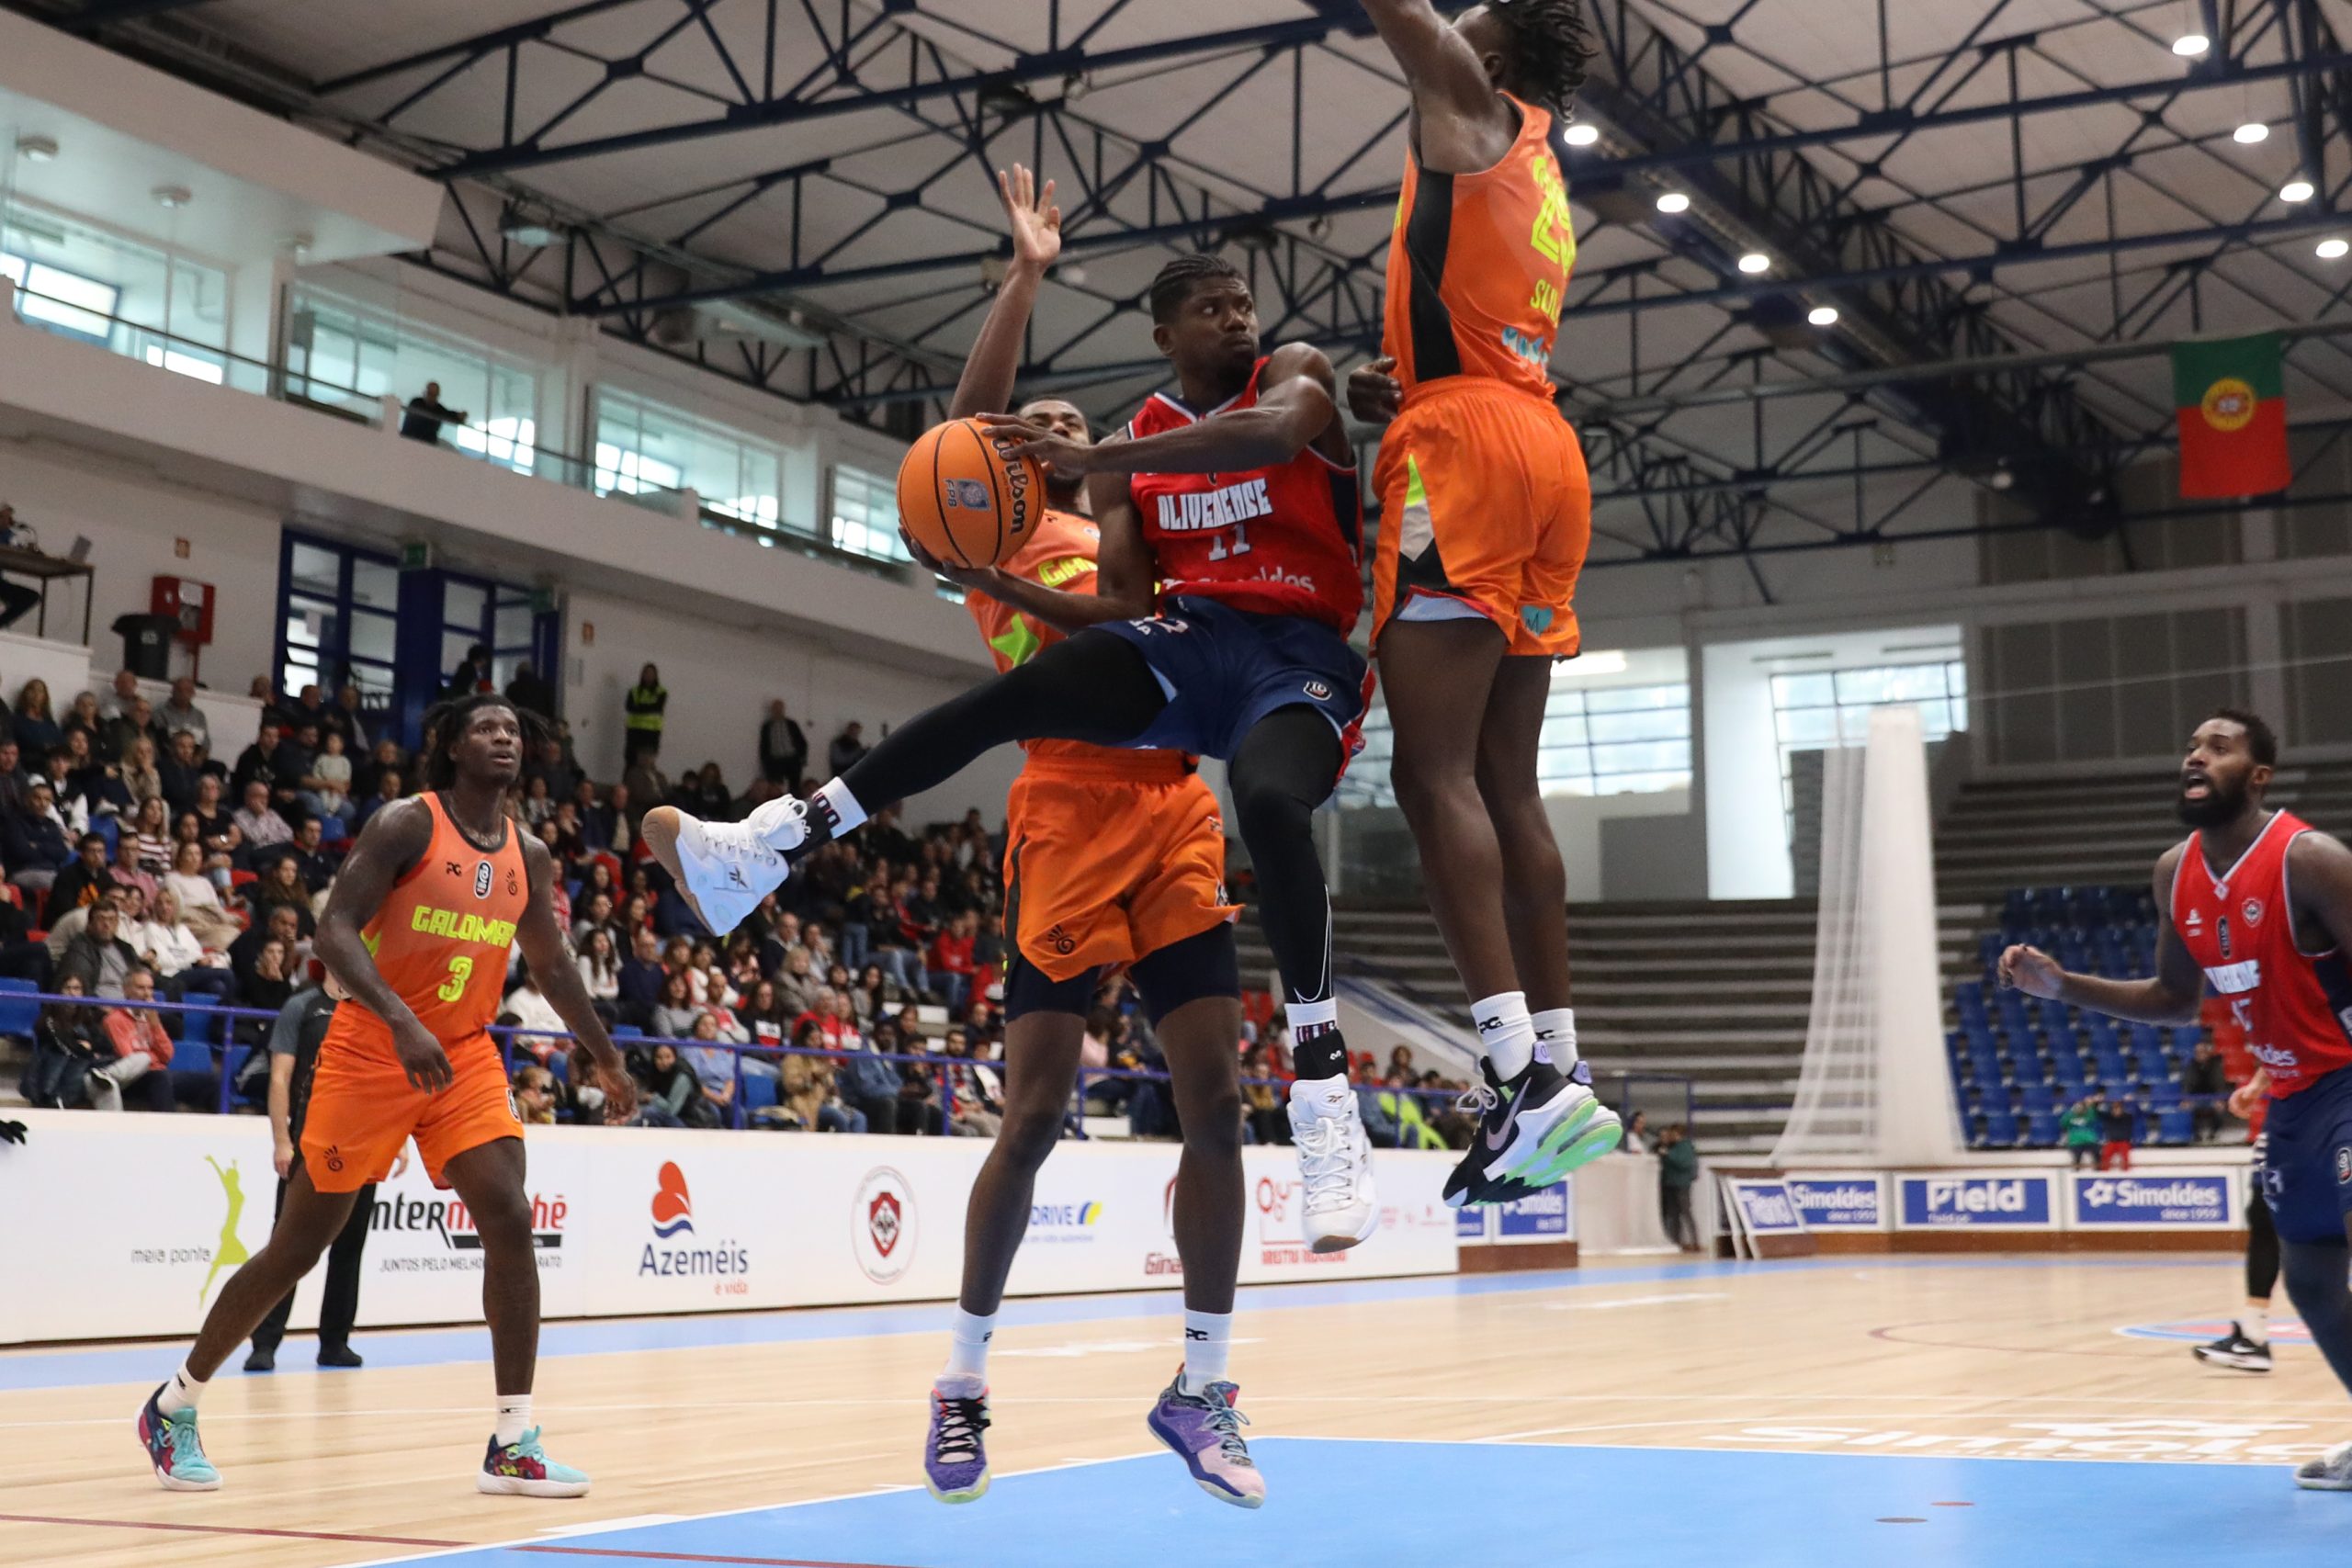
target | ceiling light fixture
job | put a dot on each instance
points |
(2188, 46)
(1581, 135)
(1823, 315)
(171, 197)
(1755, 262)
(2331, 249)
(36, 148)
(2296, 190)
(1673, 201)
(2249, 134)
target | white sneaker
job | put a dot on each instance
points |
(2331, 1471)
(723, 868)
(1342, 1207)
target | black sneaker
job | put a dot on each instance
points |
(2236, 1351)
(1531, 1131)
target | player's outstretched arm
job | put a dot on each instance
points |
(2319, 870)
(2171, 996)
(1461, 124)
(990, 373)
(391, 842)
(1297, 407)
(548, 950)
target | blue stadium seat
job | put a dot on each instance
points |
(199, 1028)
(233, 1062)
(2026, 1067)
(18, 1016)
(758, 1091)
(560, 1063)
(2175, 1127)
(2057, 1019)
(2066, 1072)
(2000, 1129)
(2035, 1100)
(2185, 1038)
(2041, 1131)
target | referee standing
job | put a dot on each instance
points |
(294, 1041)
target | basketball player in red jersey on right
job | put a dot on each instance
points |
(1486, 513)
(2260, 907)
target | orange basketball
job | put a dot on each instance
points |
(965, 498)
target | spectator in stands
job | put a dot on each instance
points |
(2206, 1080)
(257, 763)
(978, 1092)
(84, 716)
(1261, 1100)
(66, 1042)
(388, 790)
(142, 1052)
(2118, 1119)
(273, 710)
(150, 830)
(1678, 1174)
(671, 1083)
(538, 805)
(257, 820)
(267, 984)
(811, 1094)
(920, 1110)
(281, 885)
(121, 733)
(640, 981)
(126, 869)
(704, 793)
(118, 700)
(21, 957)
(534, 1089)
(869, 1084)
(715, 1067)
(198, 900)
(216, 822)
(331, 798)
(473, 673)
(85, 882)
(531, 691)
(1638, 1139)
(97, 955)
(296, 763)
(674, 1013)
(94, 778)
(600, 968)
(36, 849)
(643, 710)
(526, 1009)
(314, 863)
(846, 749)
(552, 763)
(425, 416)
(784, 746)
(14, 780)
(385, 759)
(71, 808)
(179, 713)
(32, 724)
(282, 926)
(948, 967)
(140, 776)
(176, 775)
(170, 948)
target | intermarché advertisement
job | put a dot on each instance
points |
(153, 1213)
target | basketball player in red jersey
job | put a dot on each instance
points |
(1114, 859)
(417, 931)
(2261, 910)
(1485, 514)
(1229, 577)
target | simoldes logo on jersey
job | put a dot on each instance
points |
(1194, 511)
(725, 1263)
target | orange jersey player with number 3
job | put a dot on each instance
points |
(417, 930)
(1486, 513)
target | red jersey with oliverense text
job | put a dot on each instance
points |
(2295, 1007)
(1286, 540)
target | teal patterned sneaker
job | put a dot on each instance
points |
(522, 1469)
(1205, 1431)
(174, 1449)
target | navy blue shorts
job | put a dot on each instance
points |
(2307, 1173)
(1224, 670)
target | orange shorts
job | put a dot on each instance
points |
(363, 1107)
(1109, 859)
(1485, 511)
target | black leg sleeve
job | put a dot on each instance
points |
(2261, 1250)
(1093, 687)
(1283, 769)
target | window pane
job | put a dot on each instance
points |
(374, 584)
(1809, 727)
(463, 604)
(1646, 725)
(1803, 691)
(372, 637)
(512, 628)
(319, 571)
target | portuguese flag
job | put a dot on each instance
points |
(2229, 399)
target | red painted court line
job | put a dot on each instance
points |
(693, 1557)
(227, 1530)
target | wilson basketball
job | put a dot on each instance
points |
(965, 497)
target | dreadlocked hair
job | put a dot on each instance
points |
(1179, 277)
(1551, 48)
(446, 721)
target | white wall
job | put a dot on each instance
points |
(1575, 822)
(720, 679)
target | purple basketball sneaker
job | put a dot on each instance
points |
(955, 1459)
(1205, 1431)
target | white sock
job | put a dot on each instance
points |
(513, 1419)
(180, 1394)
(1505, 1032)
(1307, 1020)
(836, 808)
(1208, 1341)
(1556, 1036)
(2255, 1325)
(967, 1345)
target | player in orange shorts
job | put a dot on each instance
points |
(416, 931)
(1113, 858)
(1486, 515)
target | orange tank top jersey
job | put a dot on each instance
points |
(442, 937)
(1479, 265)
(1060, 553)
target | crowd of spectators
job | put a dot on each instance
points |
(158, 868)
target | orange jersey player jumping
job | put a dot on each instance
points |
(1486, 513)
(1113, 858)
(438, 890)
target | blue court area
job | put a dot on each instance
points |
(1367, 1505)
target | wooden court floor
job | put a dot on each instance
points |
(1972, 1356)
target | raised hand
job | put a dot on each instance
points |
(1036, 221)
